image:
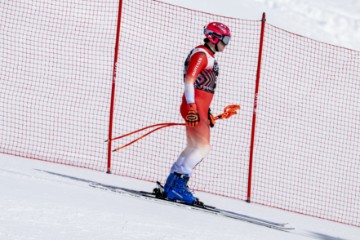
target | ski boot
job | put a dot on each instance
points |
(176, 189)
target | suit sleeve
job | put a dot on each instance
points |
(198, 62)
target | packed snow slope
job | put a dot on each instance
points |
(42, 201)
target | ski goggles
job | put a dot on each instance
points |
(225, 39)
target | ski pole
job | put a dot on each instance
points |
(228, 112)
(141, 137)
(142, 129)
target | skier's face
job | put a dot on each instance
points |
(221, 46)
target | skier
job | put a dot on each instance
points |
(200, 74)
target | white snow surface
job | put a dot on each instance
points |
(332, 21)
(41, 201)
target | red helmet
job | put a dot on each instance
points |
(216, 31)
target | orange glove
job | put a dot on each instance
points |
(211, 119)
(192, 116)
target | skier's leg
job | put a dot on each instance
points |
(198, 147)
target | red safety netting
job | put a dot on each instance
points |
(307, 141)
(153, 47)
(56, 68)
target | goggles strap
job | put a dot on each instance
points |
(216, 47)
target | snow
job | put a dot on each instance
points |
(41, 200)
(331, 21)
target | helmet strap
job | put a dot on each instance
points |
(208, 47)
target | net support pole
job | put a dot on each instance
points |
(263, 20)
(112, 101)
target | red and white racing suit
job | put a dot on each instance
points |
(202, 69)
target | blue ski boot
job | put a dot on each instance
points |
(176, 188)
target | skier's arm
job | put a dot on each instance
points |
(197, 63)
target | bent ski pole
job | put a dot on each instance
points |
(228, 112)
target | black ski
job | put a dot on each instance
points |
(156, 195)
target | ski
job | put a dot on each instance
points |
(157, 197)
